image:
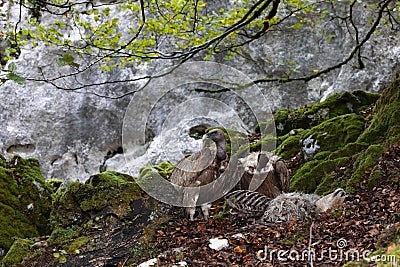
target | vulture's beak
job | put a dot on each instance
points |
(205, 136)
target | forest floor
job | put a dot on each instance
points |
(368, 222)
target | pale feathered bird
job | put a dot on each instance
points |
(266, 174)
(285, 206)
(199, 169)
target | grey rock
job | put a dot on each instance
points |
(76, 133)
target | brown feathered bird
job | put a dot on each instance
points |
(265, 174)
(200, 169)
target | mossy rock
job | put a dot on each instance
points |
(54, 183)
(385, 126)
(164, 168)
(155, 180)
(3, 162)
(312, 115)
(349, 150)
(18, 251)
(267, 143)
(331, 135)
(62, 236)
(290, 144)
(76, 204)
(312, 176)
(365, 160)
(25, 201)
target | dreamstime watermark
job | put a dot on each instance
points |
(231, 106)
(338, 254)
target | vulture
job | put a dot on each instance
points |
(265, 173)
(284, 207)
(199, 169)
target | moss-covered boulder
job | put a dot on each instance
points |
(381, 134)
(79, 202)
(331, 135)
(106, 215)
(385, 126)
(20, 249)
(312, 115)
(350, 145)
(25, 201)
(3, 162)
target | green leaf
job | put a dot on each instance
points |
(60, 62)
(16, 78)
(12, 67)
(74, 64)
(62, 259)
(296, 26)
(68, 58)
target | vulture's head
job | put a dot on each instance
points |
(332, 201)
(216, 135)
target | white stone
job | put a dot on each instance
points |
(149, 263)
(218, 243)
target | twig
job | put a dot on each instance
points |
(310, 258)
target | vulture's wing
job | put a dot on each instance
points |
(282, 175)
(189, 169)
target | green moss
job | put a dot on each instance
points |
(266, 127)
(313, 173)
(328, 184)
(18, 251)
(62, 236)
(385, 126)
(365, 160)
(14, 224)
(331, 135)
(25, 201)
(289, 145)
(335, 133)
(3, 162)
(312, 115)
(267, 143)
(322, 155)
(374, 178)
(54, 183)
(349, 150)
(74, 246)
(164, 168)
(108, 189)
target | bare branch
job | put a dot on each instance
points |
(383, 6)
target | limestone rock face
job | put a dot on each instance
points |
(77, 133)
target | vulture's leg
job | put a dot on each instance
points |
(191, 211)
(190, 197)
(205, 208)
